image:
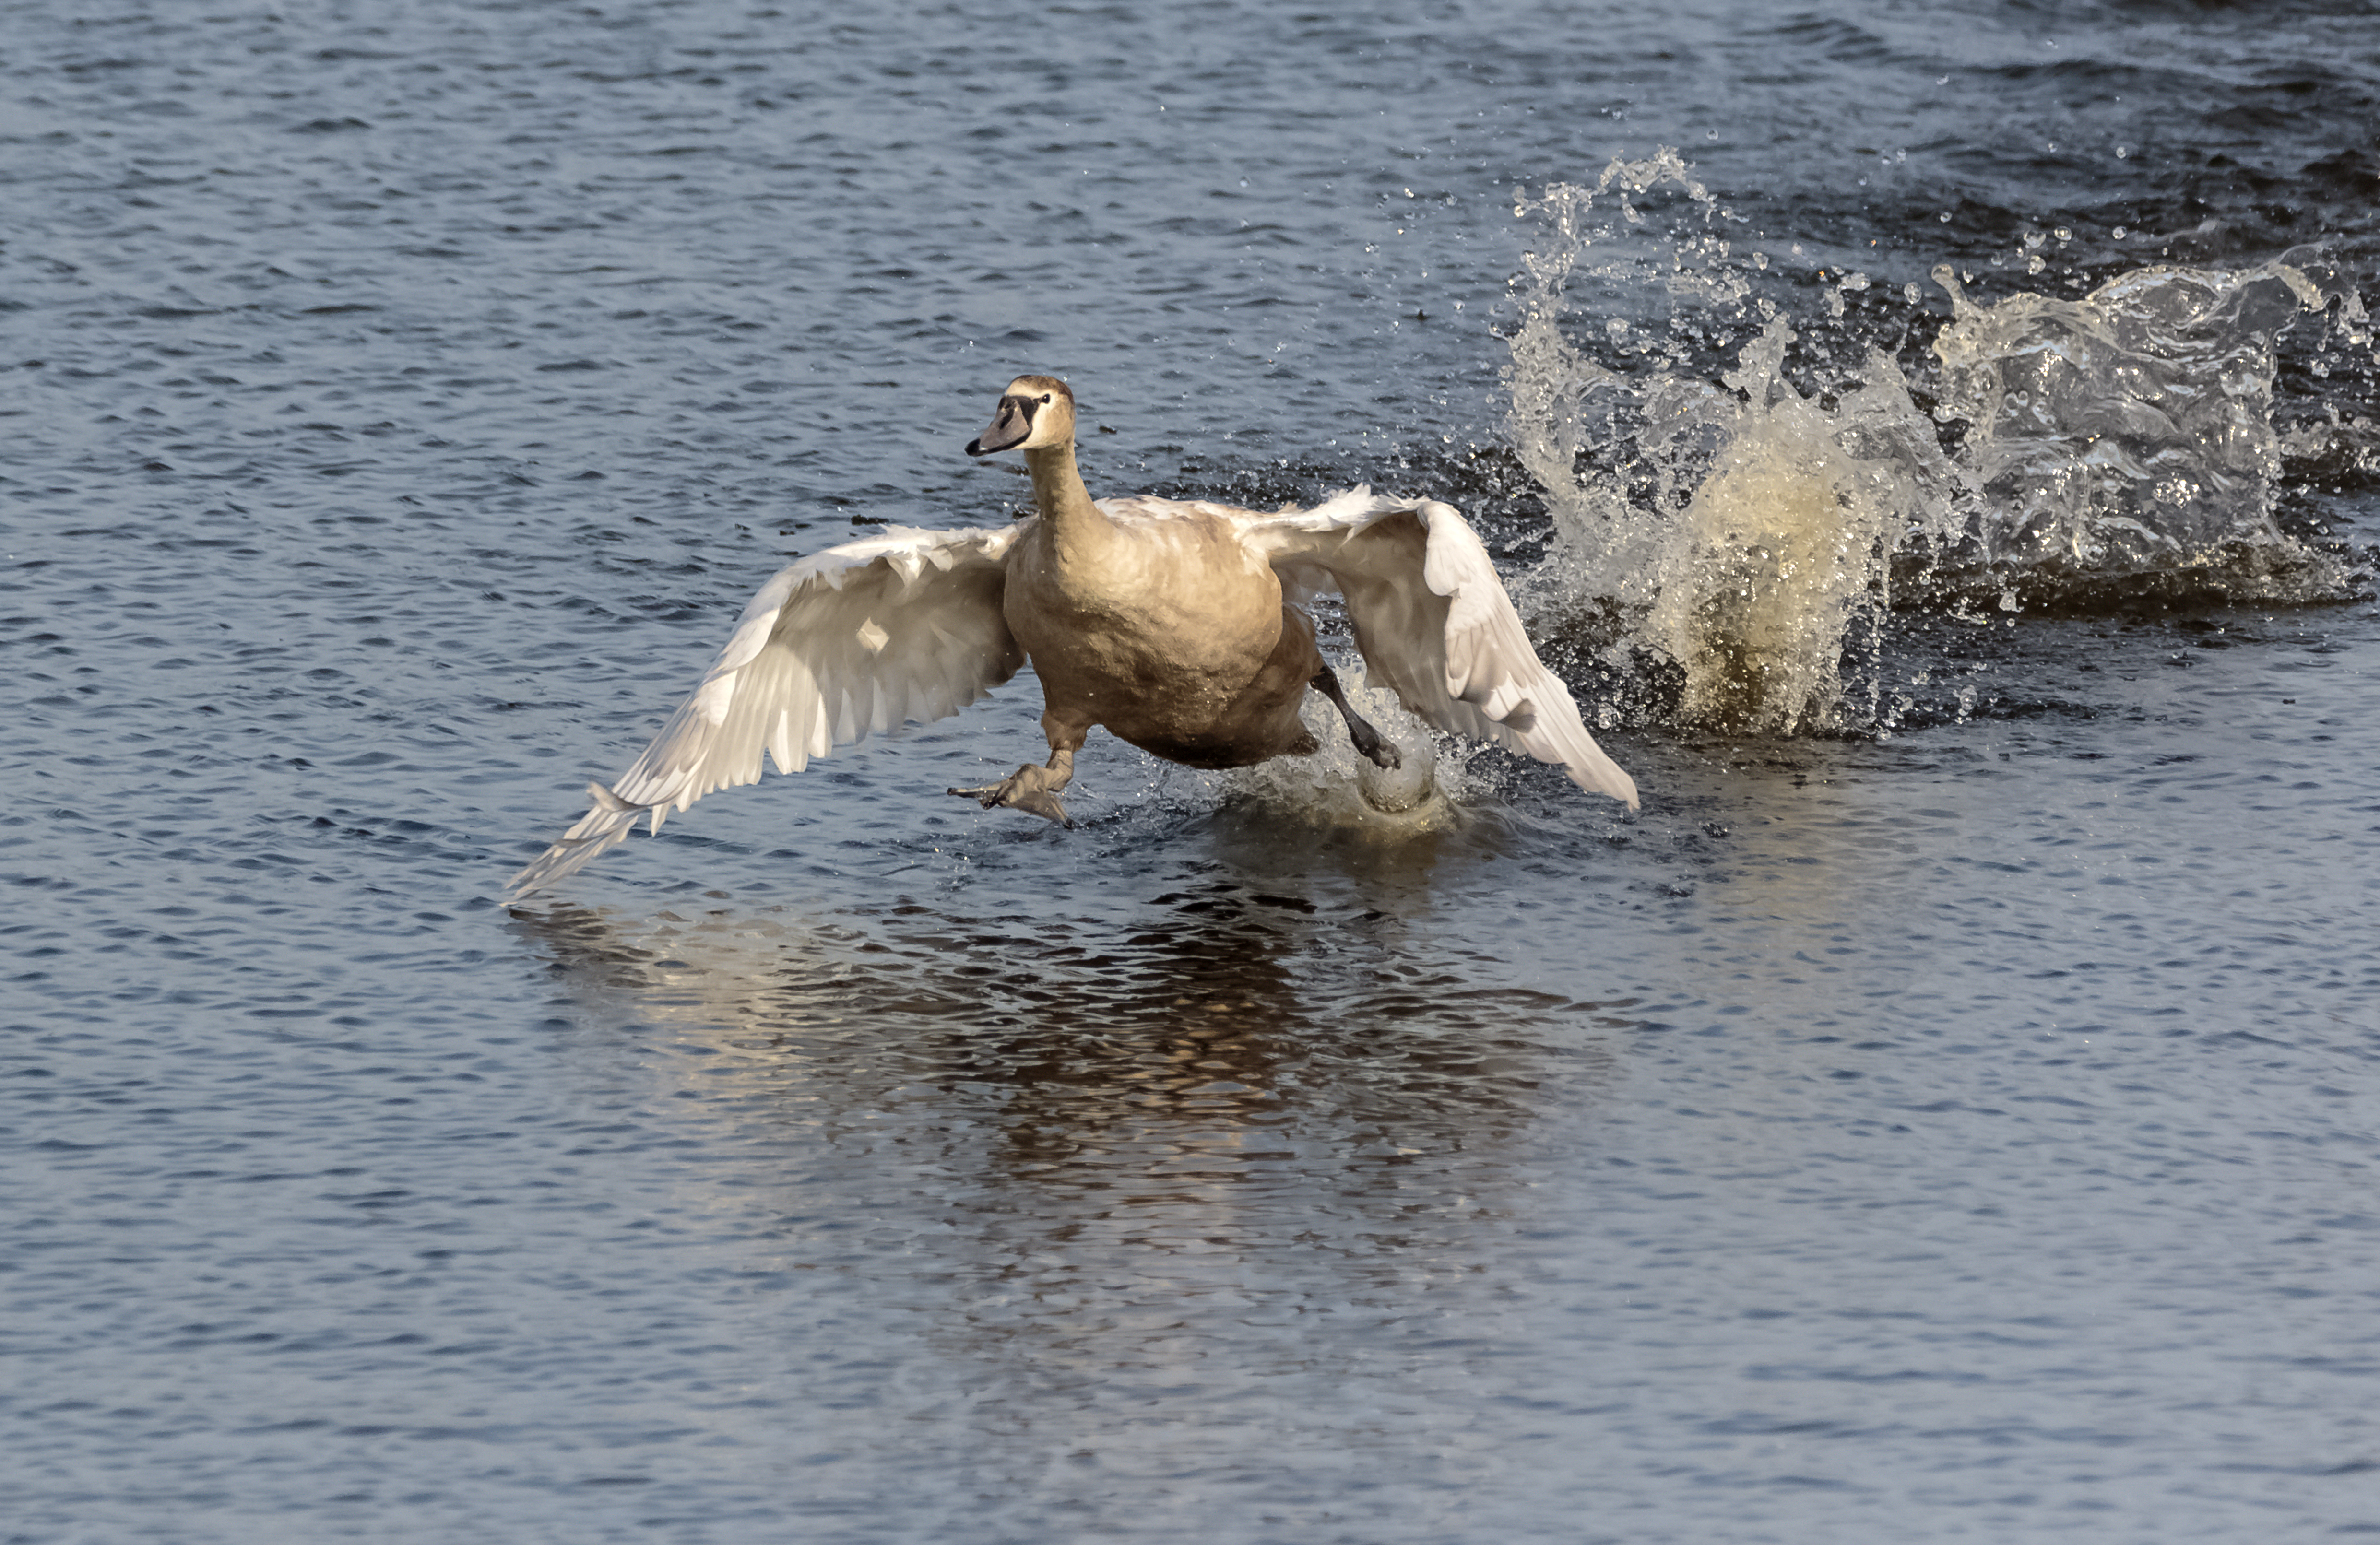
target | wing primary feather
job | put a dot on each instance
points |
(796, 677)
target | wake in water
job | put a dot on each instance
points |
(1744, 531)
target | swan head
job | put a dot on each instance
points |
(1036, 413)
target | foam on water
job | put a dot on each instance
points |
(1738, 531)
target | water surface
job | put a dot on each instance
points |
(1947, 1117)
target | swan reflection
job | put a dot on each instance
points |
(1235, 1028)
(1088, 1201)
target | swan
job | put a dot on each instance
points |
(1178, 625)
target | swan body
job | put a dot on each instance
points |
(1177, 625)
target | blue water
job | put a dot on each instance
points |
(1957, 1125)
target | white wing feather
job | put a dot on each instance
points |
(900, 628)
(1434, 623)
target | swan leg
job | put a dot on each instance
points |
(1370, 742)
(1035, 789)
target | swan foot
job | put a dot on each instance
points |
(1370, 741)
(1374, 745)
(1030, 789)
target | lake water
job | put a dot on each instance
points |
(1947, 1112)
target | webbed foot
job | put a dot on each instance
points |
(1028, 788)
(1373, 744)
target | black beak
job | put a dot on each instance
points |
(1010, 425)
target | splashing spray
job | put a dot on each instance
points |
(1741, 530)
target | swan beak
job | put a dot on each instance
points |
(1010, 427)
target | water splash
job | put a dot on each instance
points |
(1776, 551)
(2130, 429)
(1738, 532)
(1339, 788)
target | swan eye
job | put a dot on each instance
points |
(1045, 396)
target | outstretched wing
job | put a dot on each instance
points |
(901, 628)
(1434, 623)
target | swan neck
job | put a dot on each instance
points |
(1058, 490)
